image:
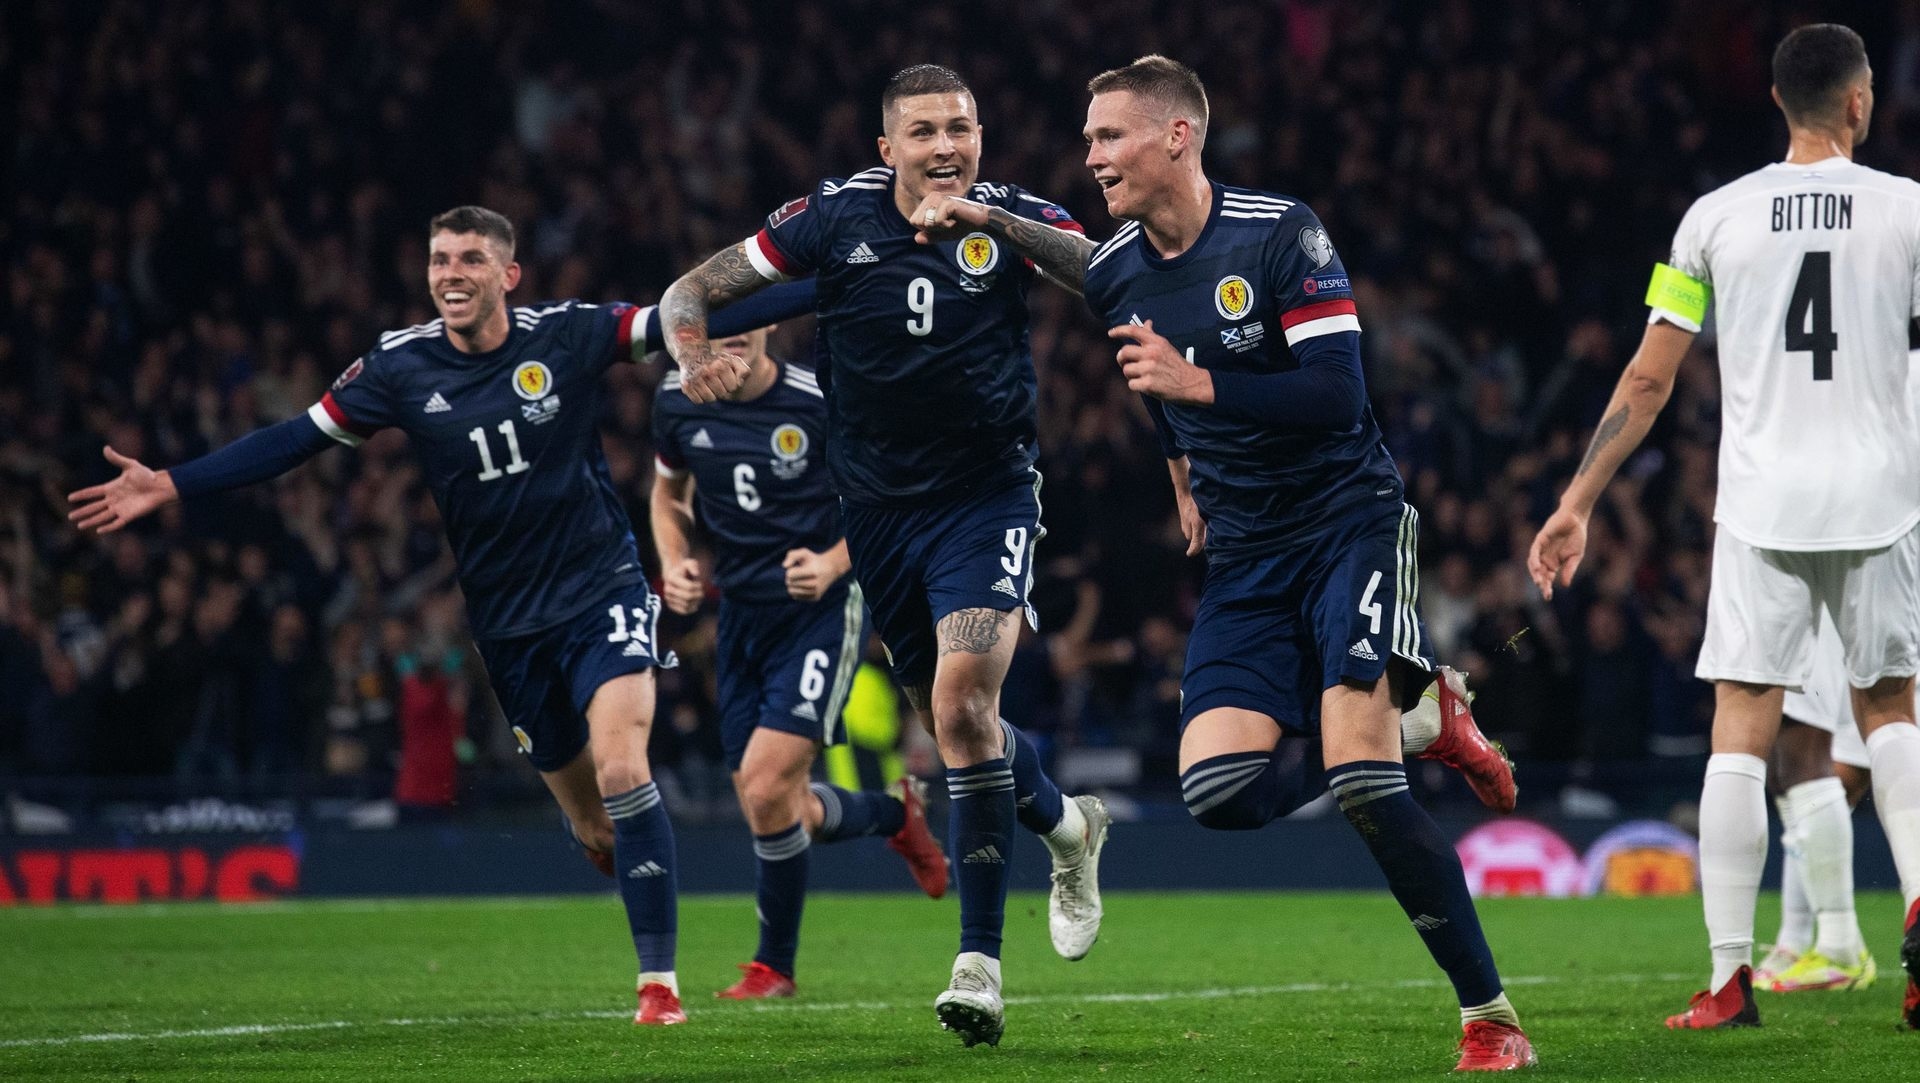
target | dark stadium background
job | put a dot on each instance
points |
(212, 208)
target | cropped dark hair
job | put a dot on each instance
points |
(490, 224)
(1168, 82)
(1813, 65)
(917, 80)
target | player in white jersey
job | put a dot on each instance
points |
(1813, 265)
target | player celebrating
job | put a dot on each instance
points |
(930, 397)
(499, 406)
(1242, 334)
(1813, 264)
(792, 627)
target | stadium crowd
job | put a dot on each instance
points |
(216, 206)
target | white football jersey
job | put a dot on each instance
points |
(1815, 272)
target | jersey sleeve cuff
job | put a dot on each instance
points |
(333, 421)
(633, 332)
(1674, 318)
(766, 257)
(667, 470)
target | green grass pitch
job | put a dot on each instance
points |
(1181, 986)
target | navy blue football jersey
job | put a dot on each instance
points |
(508, 446)
(1261, 279)
(760, 477)
(922, 348)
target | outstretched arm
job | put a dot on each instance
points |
(1637, 400)
(1060, 254)
(726, 276)
(140, 491)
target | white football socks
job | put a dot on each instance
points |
(1068, 836)
(663, 977)
(1894, 750)
(1733, 852)
(1497, 1010)
(1796, 915)
(1822, 829)
(1420, 727)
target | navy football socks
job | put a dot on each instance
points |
(1036, 798)
(1245, 790)
(1422, 870)
(780, 889)
(644, 858)
(850, 814)
(980, 820)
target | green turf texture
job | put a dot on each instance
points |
(1181, 986)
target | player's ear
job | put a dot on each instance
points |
(886, 150)
(512, 276)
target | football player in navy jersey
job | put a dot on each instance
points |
(1239, 327)
(793, 626)
(499, 407)
(930, 395)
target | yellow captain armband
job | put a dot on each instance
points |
(1676, 291)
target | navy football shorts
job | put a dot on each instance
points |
(545, 680)
(788, 666)
(919, 564)
(1275, 631)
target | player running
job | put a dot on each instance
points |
(1812, 265)
(930, 395)
(1241, 330)
(499, 407)
(792, 629)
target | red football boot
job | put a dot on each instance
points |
(758, 981)
(1910, 959)
(916, 843)
(659, 1007)
(1487, 1046)
(1732, 1006)
(602, 859)
(1464, 748)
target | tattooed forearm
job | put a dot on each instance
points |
(970, 631)
(1062, 255)
(728, 276)
(1604, 435)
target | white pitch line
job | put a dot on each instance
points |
(257, 1029)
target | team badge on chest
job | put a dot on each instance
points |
(1233, 297)
(532, 380)
(790, 446)
(977, 254)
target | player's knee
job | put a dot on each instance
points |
(768, 800)
(620, 775)
(1222, 799)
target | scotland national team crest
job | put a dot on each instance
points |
(790, 451)
(977, 254)
(1313, 241)
(1233, 297)
(532, 380)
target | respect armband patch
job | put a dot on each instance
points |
(1676, 291)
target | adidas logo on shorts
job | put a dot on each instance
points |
(1005, 586)
(862, 254)
(1363, 650)
(985, 855)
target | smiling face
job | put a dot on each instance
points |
(1128, 150)
(469, 276)
(933, 145)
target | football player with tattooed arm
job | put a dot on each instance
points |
(1812, 268)
(1238, 325)
(499, 405)
(931, 403)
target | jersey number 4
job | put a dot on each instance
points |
(1810, 313)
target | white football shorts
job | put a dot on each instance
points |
(1827, 701)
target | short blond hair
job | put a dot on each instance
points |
(1168, 82)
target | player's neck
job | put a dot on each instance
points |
(759, 379)
(1177, 222)
(485, 338)
(1806, 146)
